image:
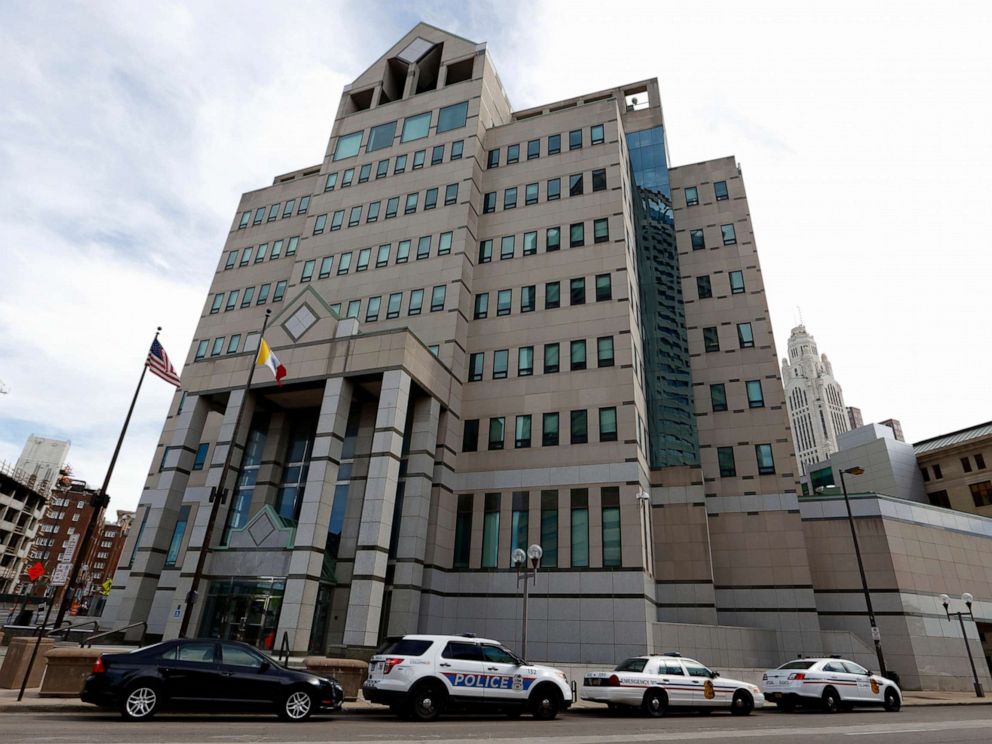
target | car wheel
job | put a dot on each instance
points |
(892, 701)
(140, 703)
(830, 700)
(742, 704)
(426, 702)
(655, 703)
(545, 702)
(296, 706)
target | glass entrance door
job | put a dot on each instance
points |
(244, 609)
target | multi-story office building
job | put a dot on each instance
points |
(955, 469)
(41, 460)
(896, 427)
(500, 328)
(854, 418)
(21, 509)
(815, 400)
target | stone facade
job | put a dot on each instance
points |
(955, 469)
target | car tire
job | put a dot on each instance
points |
(545, 703)
(426, 701)
(297, 706)
(141, 701)
(830, 701)
(655, 703)
(742, 704)
(892, 701)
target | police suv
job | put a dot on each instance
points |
(833, 684)
(657, 683)
(420, 676)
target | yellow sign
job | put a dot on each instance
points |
(708, 692)
(105, 587)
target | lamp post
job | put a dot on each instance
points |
(967, 599)
(526, 565)
(876, 637)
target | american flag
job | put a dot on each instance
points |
(159, 364)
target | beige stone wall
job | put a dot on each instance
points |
(954, 480)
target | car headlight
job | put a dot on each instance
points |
(563, 677)
(754, 688)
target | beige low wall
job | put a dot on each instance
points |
(15, 663)
(351, 673)
(67, 669)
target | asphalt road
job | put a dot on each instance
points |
(944, 724)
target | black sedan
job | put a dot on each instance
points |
(208, 674)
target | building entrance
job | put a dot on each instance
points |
(244, 609)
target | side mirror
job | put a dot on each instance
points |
(264, 667)
(714, 675)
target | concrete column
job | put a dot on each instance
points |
(411, 547)
(372, 551)
(296, 617)
(134, 588)
(226, 438)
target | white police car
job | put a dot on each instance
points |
(833, 684)
(657, 683)
(423, 675)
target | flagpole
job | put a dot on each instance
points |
(217, 493)
(99, 502)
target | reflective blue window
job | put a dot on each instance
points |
(452, 117)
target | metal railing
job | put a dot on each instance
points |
(69, 628)
(88, 641)
(284, 649)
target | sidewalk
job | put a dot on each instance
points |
(32, 703)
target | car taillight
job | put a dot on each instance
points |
(99, 667)
(389, 664)
(613, 681)
(797, 676)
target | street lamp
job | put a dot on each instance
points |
(876, 637)
(526, 565)
(967, 599)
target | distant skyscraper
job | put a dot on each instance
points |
(814, 398)
(40, 461)
(896, 427)
(854, 418)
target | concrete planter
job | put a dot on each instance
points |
(351, 673)
(67, 670)
(15, 663)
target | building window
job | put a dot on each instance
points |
(577, 235)
(178, 532)
(554, 144)
(260, 253)
(457, 148)
(608, 424)
(512, 154)
(232, 299)
(766, 465)
(382, 256)
(980, 461)
(729, 234)
(698, 243)
(711, 339)
(279, 292)
(528, 297)
(604, 288)
(604, 351)
(552, 239)
(501, 363)
(304, 205)
(552, 295)
(510, 198)
(579, 428)
(552, 358)
(718, 397)
(273, 213)
(217, 303)
(937, 474)
(246, 256)
(489, 203)
(728, 468)
(452, 117)
(463, 530)
(703, 287)
(720, 190)
(575, 185)
(736, 282)
(424, 247)
(533, 149)
(308, 268)
(355, 216)
(411, 203)
(418, 159)
(373, 212)
(755, 396)
(234, 343)
(403, 251)
(372, 309)
(276, 250)
(493, 161)
(470, 436)
(347, 177)
(259, 216)
(549, 430)
(382, 169)
(577, 355)
(450, 194)
(490, 531)
(496, 434)
(577, 291)
(287, 210)
(599, 180)
(485, 251)
(232, 259)
(337, 220)
(580, 527)
(399, 166)
(575, 139)
(365, 173)
(430, 199)
(745, 335)
(530, 194)
(347, 146)
(521, 438)
(344, 263)
(245, 219)
(926, 474)
(525, 361)
(416, 127)
(691, 196)
(966, 464)
(939, 498)
(353, 308)
(201, 455)
(530, 243)
(554, 189)
(416, 302)
(549, 528)
(437, 299)
(601, 230)
(201, 349)
(476, 363)
(504, 301)
(392, 206)
(393, 305)
(981, 493)
(481, 306)
(610, 500)
(507, 247)
(437, 154)
(218, 346)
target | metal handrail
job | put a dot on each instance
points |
(284, 648)
(89, 639)
(69, 628)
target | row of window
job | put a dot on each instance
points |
(697, 237)
(531, 192)
(532, 149)
(577, 510)
(288, 209)
(382, 256)
(410, 206)
(552, 240)
(257, 254)
(704, 286)
(416, 161)
(720, 193)
(711, 337)
(965, 467)
(394, 305)
(244, 298)
(578, 429)
(224, 345)
(552, 296)
(728, 464)
(414, 127)
(577, 359)
(981, 495)
(755, 395)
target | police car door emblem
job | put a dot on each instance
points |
(708, 692)
(874, 686)
(518, 683)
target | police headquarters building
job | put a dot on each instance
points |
(500, 328)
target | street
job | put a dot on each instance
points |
(943, 724)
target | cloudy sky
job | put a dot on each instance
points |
(129, 130)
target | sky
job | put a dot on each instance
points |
(128, 132)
